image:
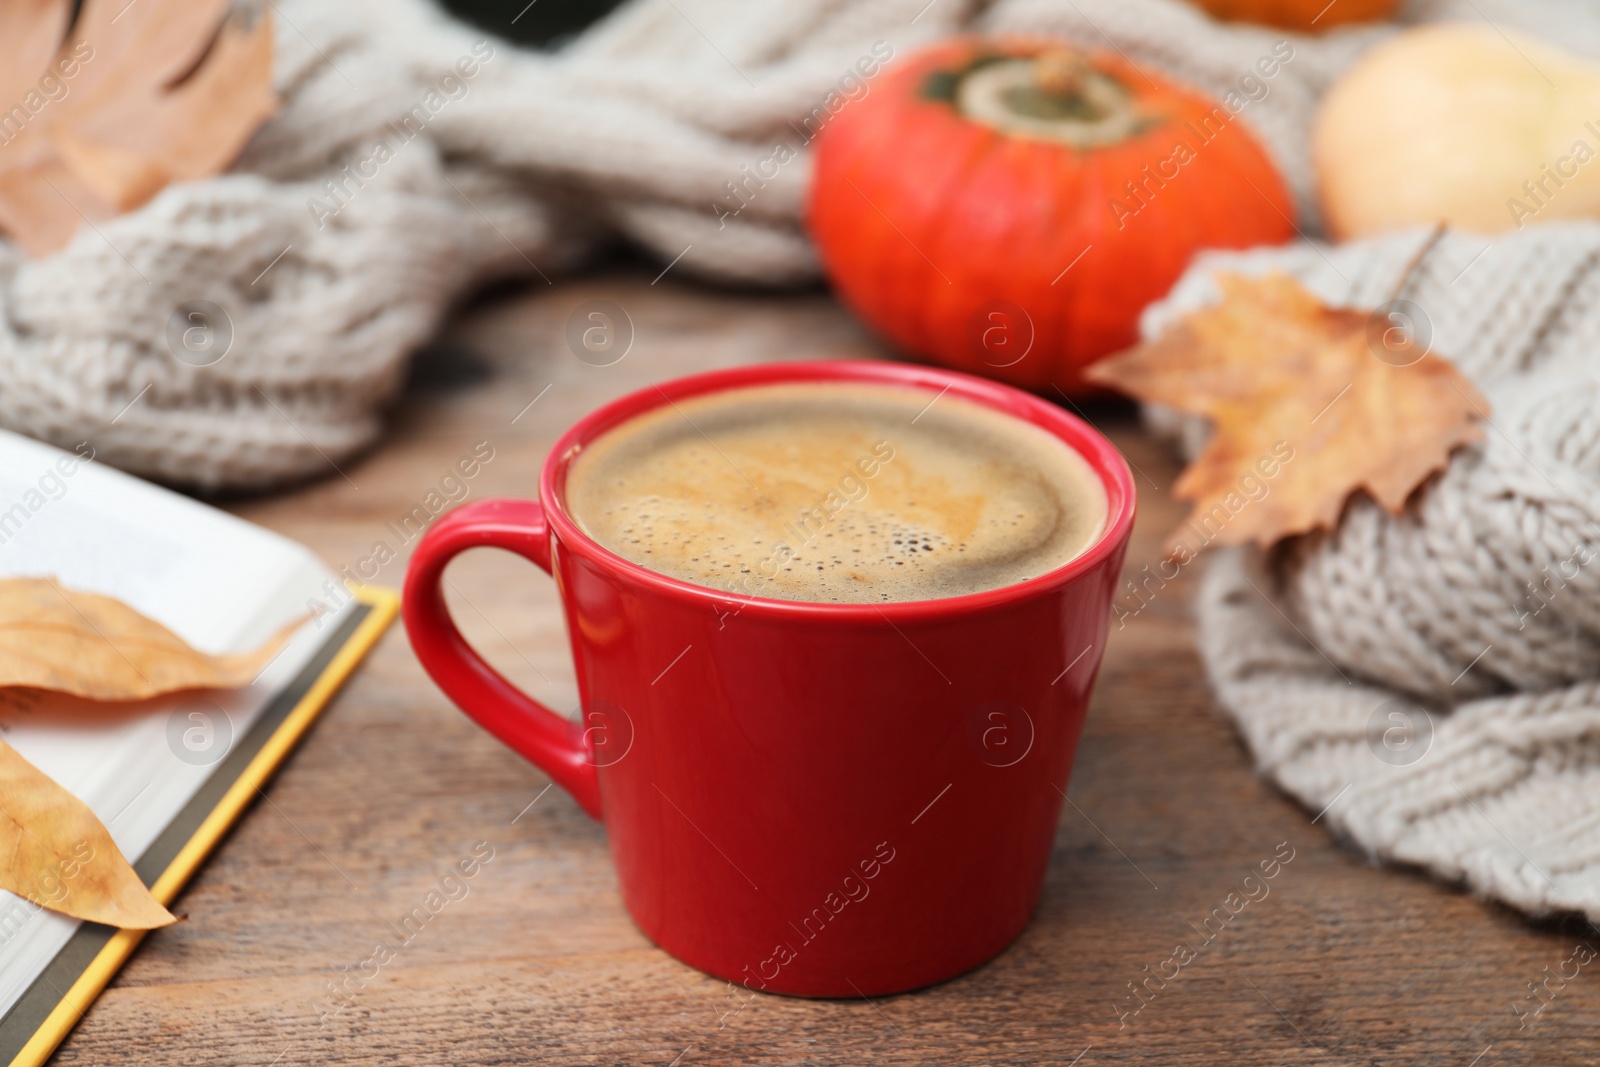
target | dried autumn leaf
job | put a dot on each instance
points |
(1280, 374)
(58, 855)
(30, 33)
(140, 96)
(97, 647)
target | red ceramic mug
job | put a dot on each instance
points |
(814, 799)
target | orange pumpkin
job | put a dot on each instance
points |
(1303, 16)
(1009, 208)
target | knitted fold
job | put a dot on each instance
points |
(1430, 682)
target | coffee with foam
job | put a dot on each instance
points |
(837, 492)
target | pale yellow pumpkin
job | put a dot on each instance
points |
(1462, 124)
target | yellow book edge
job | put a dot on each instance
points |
(385, 605)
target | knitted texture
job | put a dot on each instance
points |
(1431, 681)
(317, 295)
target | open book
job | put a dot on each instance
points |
(166, 776)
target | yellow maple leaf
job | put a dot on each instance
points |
(1308, 404)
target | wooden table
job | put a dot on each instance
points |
(1345, 962)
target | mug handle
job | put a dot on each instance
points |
(550, 741)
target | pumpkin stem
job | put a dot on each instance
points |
(1060, 72)
(1056, 95)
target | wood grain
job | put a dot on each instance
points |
(1343, 963)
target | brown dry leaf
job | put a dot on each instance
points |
(140, 96)
(30, 33)
(58, 855)
(1303, 411)
(97, 647)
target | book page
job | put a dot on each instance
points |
(222, 584)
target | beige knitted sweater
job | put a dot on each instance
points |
(1431, 682)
